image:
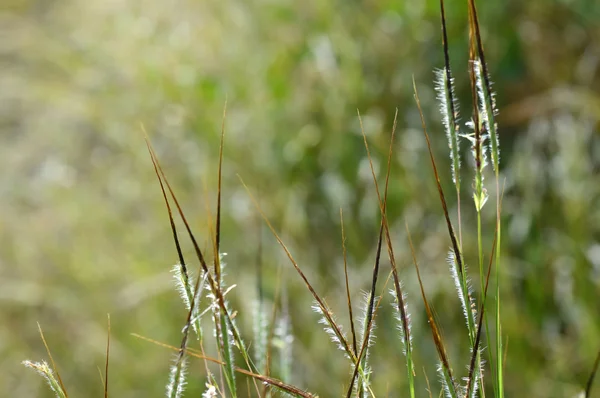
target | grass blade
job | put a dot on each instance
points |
(475, 354)
(399, 295)
(219, 192)
(487, 97)
(450, 112)
(348, 299)
(107, 355)
(451, 233)
(54, 368)
(446, 370)
(458, 259)
(213, 284)
(382, 206)
(489, 111)
(181, 272)
(449, 108)
(320, 303)
(287, 388)
(334, 328)
(590, 382)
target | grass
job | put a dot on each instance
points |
(209, 286)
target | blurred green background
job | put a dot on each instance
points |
(84, 232)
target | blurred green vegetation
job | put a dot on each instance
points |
(84, 232)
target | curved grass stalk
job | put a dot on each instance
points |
(449, 108)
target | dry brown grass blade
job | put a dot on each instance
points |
(214, 286)
(194, 298)
(216, 242)
(379, 244)
(348, 299)
(397, 285)
(437, 336)
(324, 308)
(182, 262)
(169, 210)
(427, 381)
(320, 302)
(455, 246)
(264, 379)
(590, 382)
(382, 228)
(54, 368)
(162, 177)
(107, 356)
(377, 305)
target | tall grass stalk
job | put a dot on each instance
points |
(449, 386)
(401, 307)
(449, 108)
(480, 195)
(445, 370)
(347, 282)
(383, 227)
(488, 110)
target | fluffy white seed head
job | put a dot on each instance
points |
(449, 110)
(177, 375)
(401, 323)
(467, 304)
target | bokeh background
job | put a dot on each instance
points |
(84, 232)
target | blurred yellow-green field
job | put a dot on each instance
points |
(84, 231)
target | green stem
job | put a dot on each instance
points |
(411, 376)
(482, 281)
(499, 360)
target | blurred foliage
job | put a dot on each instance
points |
(84, 232)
